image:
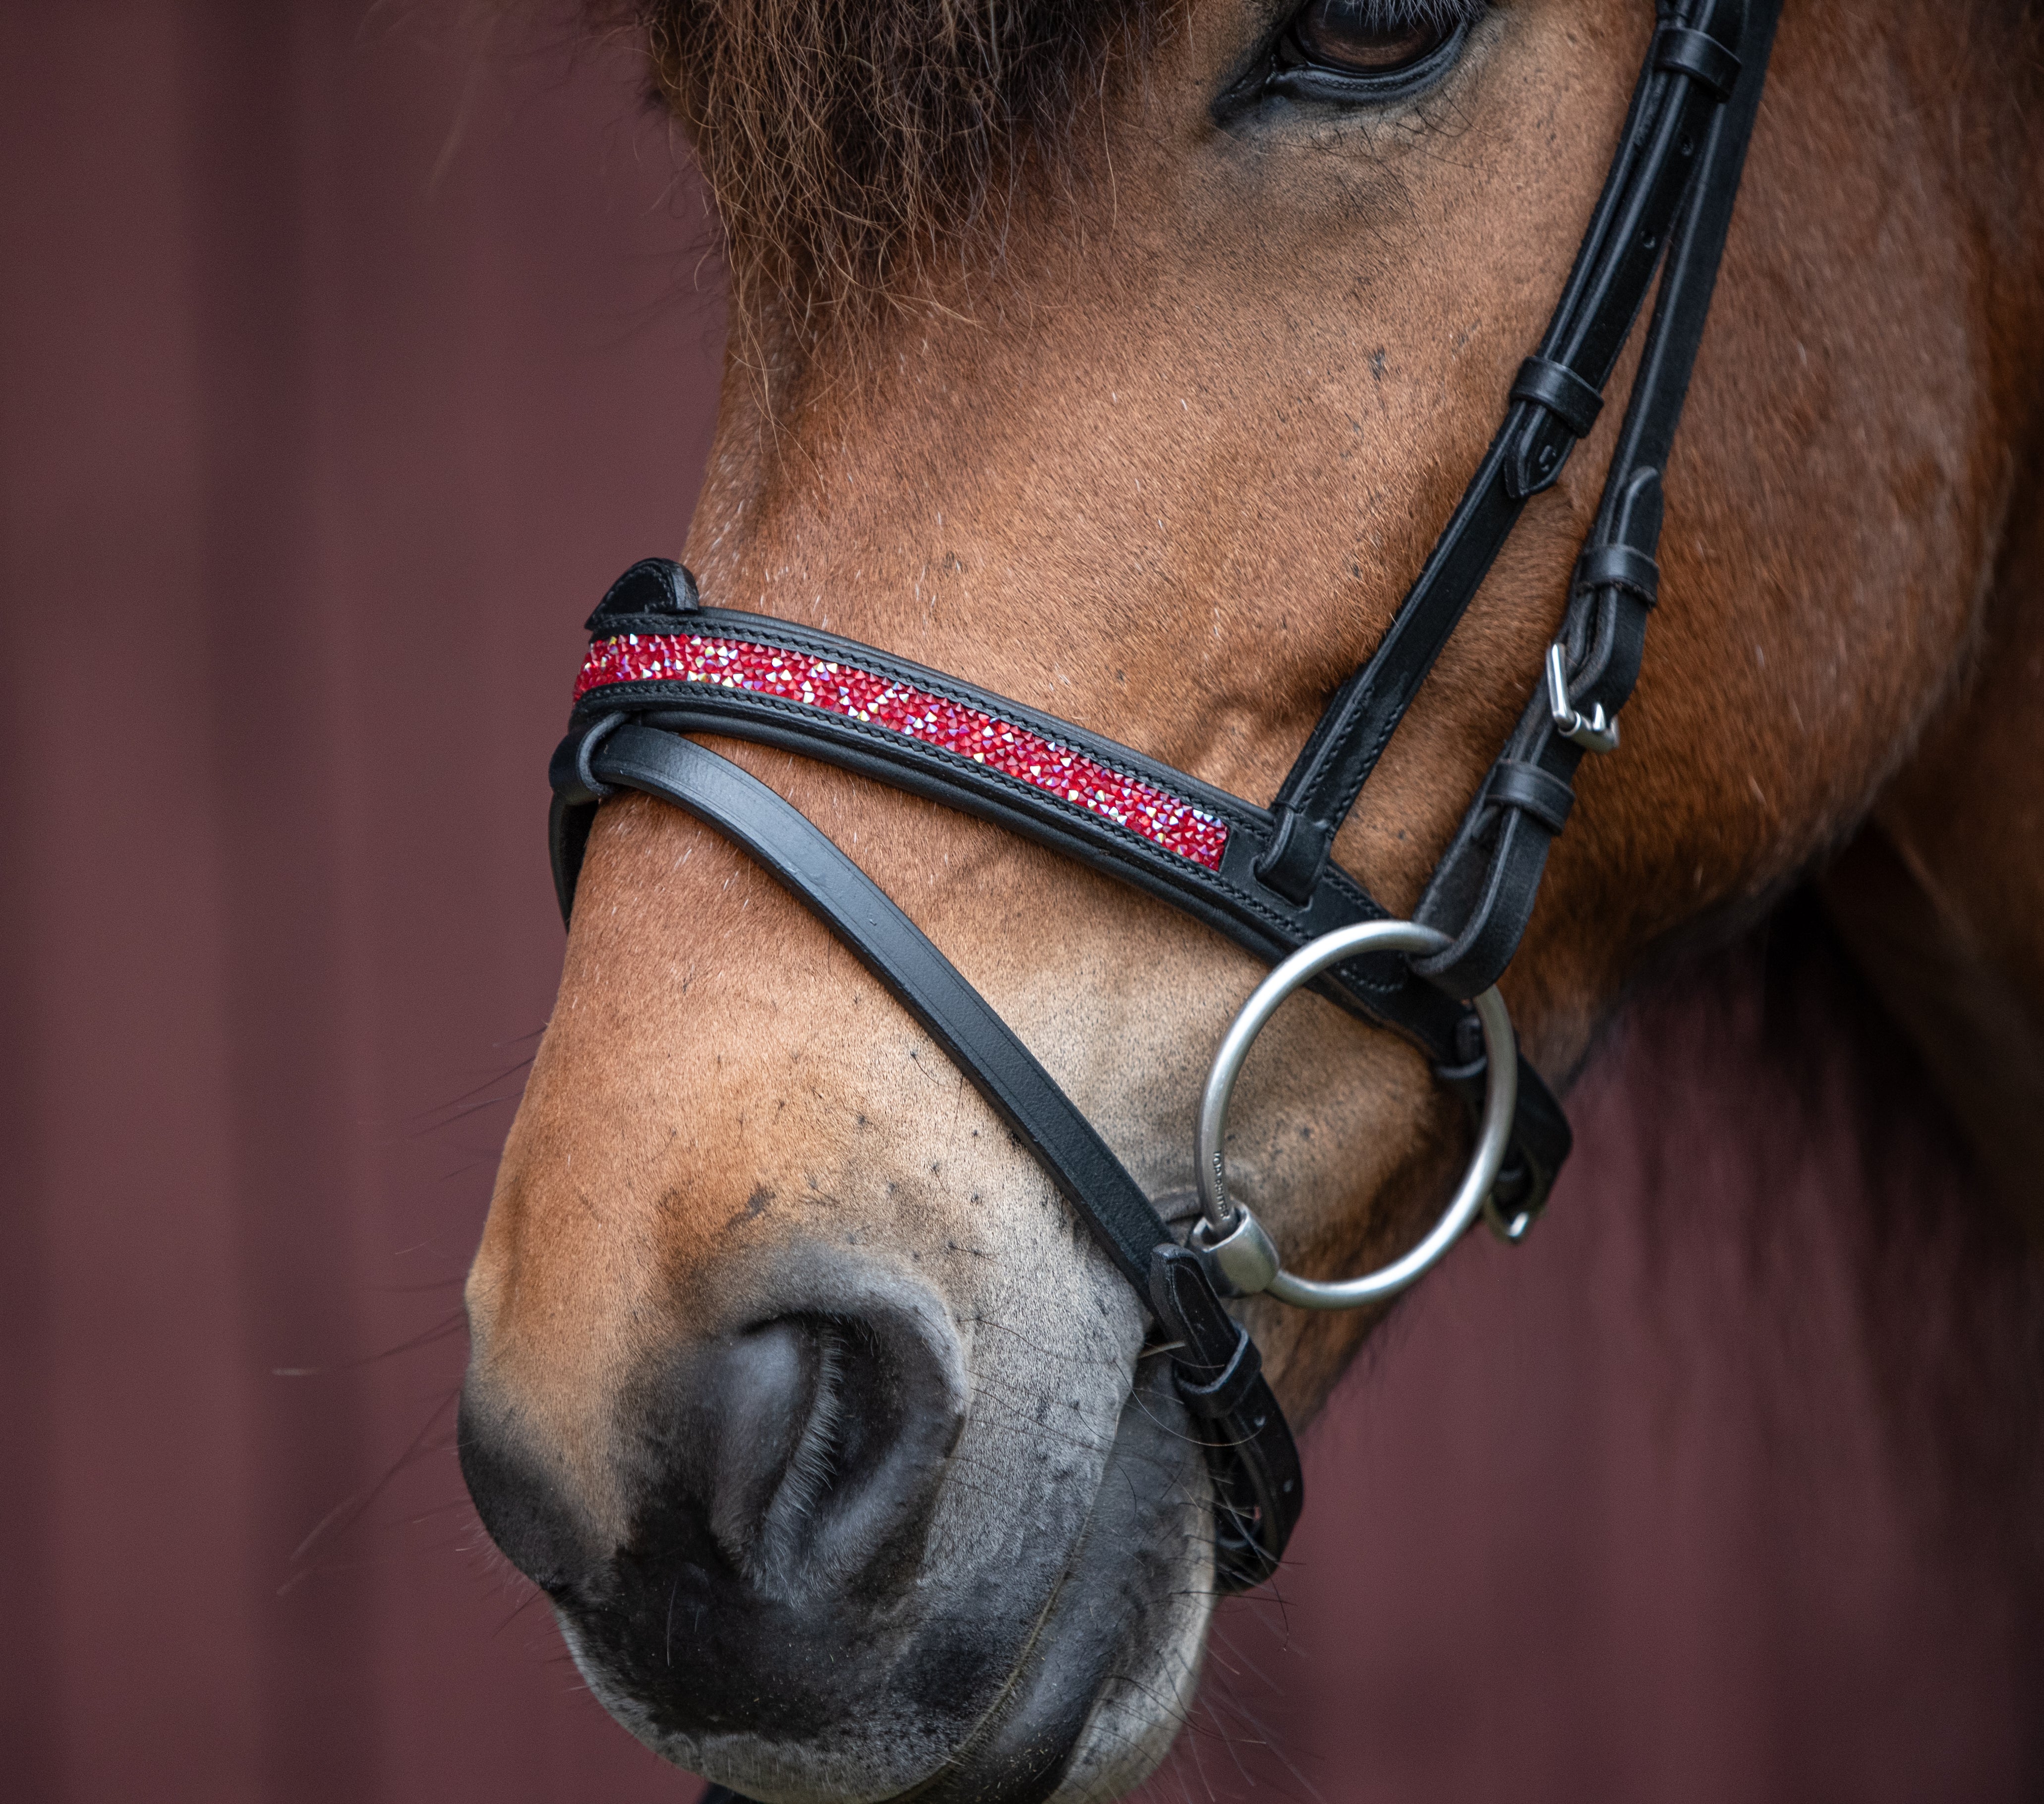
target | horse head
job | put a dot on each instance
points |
(1126, 360)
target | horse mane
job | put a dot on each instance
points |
(844, 142)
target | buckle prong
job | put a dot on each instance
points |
(1594, 732)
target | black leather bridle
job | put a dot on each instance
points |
(662, 667)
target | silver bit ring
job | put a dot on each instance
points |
(1230, 1237)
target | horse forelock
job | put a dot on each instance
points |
(847, 144)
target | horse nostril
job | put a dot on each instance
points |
(779, 1401)
(807, 1444)
(761, 1492)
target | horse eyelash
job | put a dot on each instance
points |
(1451, 18)
(1396, 15)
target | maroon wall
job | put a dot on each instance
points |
(340, 364)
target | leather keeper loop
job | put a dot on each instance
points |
(1218, 1363)
(1619, 567)
(1547, 798)
(1297, 854)
(1558, 389)
(1225, 1393)
(1682, 50)
(587, 750)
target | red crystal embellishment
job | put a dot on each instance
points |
(1159, 817)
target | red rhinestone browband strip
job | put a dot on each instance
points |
(1159, 816)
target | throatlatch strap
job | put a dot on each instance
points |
(1258, 1485)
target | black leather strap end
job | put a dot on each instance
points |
(1483, 950)
(1619, 567)
(1544, 1141)
(1568, 407)
(1258, 1487)
(1542, 1144)
(576, 795)
(568, 823)
(1547, 798)
(1683, 51)
(1186, 1303)
(655, 587)
(563, 770)
(1214, 1376)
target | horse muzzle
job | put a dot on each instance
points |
(786, 1607)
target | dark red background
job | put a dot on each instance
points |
(345, 351)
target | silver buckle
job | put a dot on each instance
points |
(1596, 732)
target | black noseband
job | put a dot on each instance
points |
(662, 667)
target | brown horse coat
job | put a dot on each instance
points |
(1148, 421)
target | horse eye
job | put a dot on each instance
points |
(1366, 38)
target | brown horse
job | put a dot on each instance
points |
(1066, 358)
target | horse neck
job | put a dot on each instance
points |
(1940, 896)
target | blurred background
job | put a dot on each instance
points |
(345, 352)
